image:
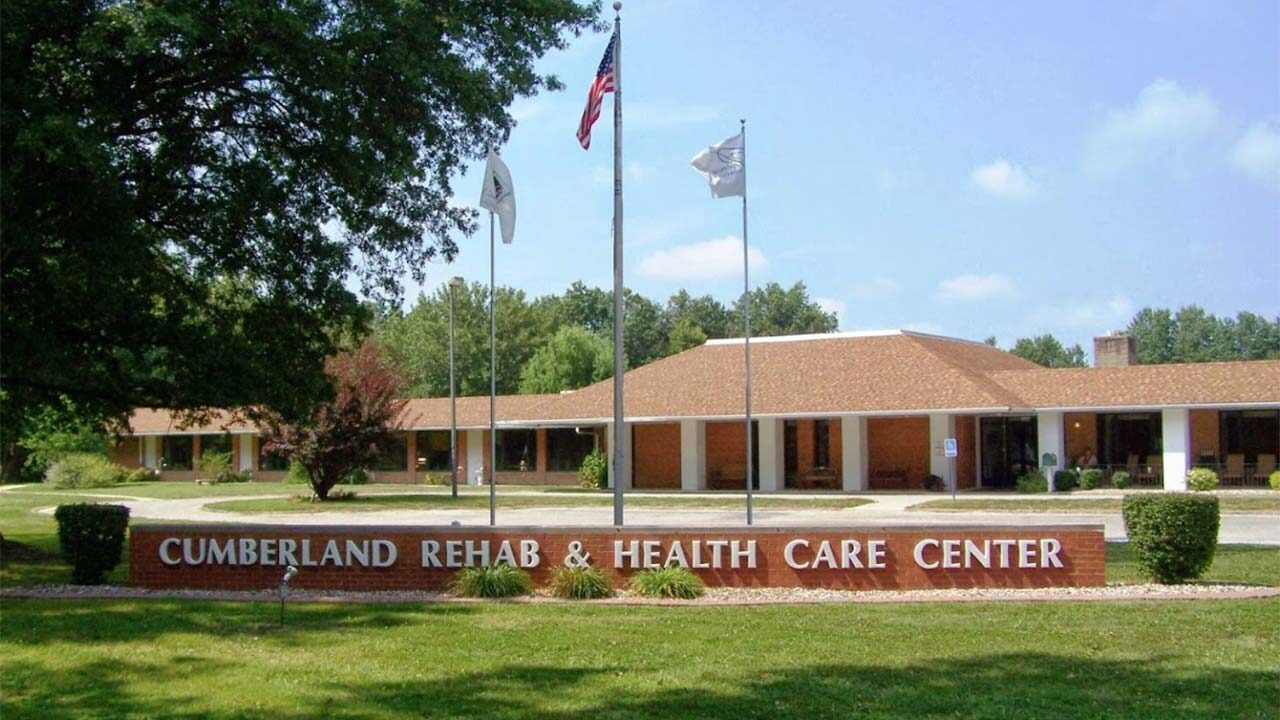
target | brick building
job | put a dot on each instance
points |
(852, 411)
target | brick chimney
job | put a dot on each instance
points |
(1114, 351)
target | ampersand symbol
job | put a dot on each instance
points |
(576, 557)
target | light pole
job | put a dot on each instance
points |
(455, 283)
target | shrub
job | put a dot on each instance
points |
(495, 581)
(1091, 479)
(668, 582)
(594, 473)
(84, 470)
(212, 464)
(1173, 535)
(1274, 480)
(1065, 480)
(1032, 482)
(436, 479)
(1121, 480)
(580, 583)
(92, 537)
(1202, 479)
(297, 474)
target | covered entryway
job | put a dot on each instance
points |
(1009, 448)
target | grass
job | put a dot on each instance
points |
(173, 489)
(185, 659)
(1265, 504)
(443, 501)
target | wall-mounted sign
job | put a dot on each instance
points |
(401, 558)
(949, 447)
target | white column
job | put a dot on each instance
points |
(853, 447)
(693, 455)
(151, 451)
(772, 463)
(1050, 438)
(941, 427)
(246, 452)
(475, 456)
(1175, 431)
(628, 460)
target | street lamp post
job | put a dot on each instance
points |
(454, 284)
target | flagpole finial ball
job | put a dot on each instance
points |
(617, 6)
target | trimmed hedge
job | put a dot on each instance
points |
(1121, 480)
(1202, 479)
(1065, 480)
(668, 582)
(1274, 479)
(92, 538)
(1091, 479)
(1174, 535)
(1032, 482)
(580, 583)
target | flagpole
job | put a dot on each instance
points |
(619, 459)
(746, 319)
(493, 386)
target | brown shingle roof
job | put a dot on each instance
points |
(884, 373)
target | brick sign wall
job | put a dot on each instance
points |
(402, 558)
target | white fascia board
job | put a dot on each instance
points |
(1154, 408)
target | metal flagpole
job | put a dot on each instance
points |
(618, 297)
(453, 401)
(746, 318)
(493, 386)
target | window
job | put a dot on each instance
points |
(270, 461)
(393, 453)
(567, 448)
(517, 450)
(821, 444)
(215, 444)
(433, 450)
(176, 452)
(1250, 433)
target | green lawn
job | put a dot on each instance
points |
(176, 659)
(443, 501)
(1266, 504)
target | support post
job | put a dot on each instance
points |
(1175, 432)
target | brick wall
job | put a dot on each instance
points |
(126, 452)
(1204, 434)
(966, 463)
(897, 445)
(726, 455)
(1082, 555)
(656, 450)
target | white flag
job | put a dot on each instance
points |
(725, 167)
(498, 195)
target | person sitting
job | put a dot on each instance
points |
(1087, 459)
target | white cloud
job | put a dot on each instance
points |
(876, 288)
(1003, 179)
(832, 305)
(1098, 315)
(1166, 119)
(975, 287)
(1257, 152)
(717, 258)
(638, 171)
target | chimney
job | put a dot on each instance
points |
(1114, 351)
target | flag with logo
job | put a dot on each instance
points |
(724, 167)
(498, 195)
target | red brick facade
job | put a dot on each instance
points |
(656, 451)
(897, 453)
(856, 559)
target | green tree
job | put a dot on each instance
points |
(1046, 350)
(1153, 331)
(1195, 335)
(685, 334)
(152, 151)
(421, 338)
(571, 359)
(779, 311)
(704, 312)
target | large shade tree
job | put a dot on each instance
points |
(189, 188)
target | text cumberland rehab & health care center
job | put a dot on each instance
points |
(400, 558)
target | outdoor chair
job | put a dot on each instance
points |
(1265, 466)
(1131, 465)
(1235, 469)
(1151, 471)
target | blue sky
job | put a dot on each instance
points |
(964, 168)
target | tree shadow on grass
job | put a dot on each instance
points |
(35, 622)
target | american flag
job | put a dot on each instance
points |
(603, 83)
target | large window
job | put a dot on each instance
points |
(821, 444)
(1123, 437)
(566, 449)
(270, 461)
(176, 452)
(215, 444)
(433, 450)
(517, 450)
(1250, 433)
(393, 455)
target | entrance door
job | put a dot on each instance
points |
(1009, 447)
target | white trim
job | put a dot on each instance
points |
(1168, 406)
(807, 337)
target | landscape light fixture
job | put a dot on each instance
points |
(289, 574)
